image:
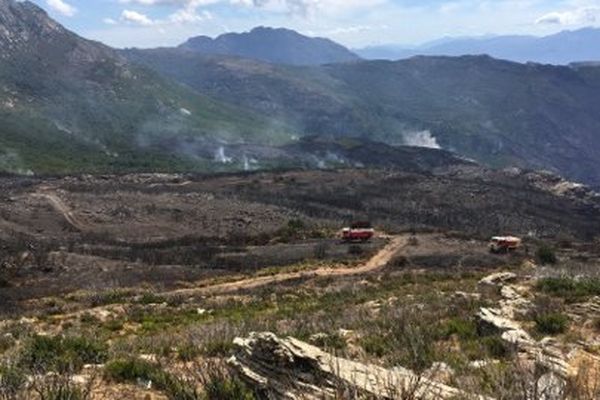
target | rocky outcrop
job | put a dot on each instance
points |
(498, 279)
(287, 368)
(502, 320)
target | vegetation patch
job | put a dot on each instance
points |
(216, 386)
(570, 289)
(552, 324)
(62, 354)
(546, 255)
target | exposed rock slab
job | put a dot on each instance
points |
(287, 368)
(502, 320)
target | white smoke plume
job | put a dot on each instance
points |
(421, 139)
(221, 157)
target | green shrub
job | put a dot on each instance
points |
(12, 382)
(61, 354)
(114, 325)
(87, 318)
(218, 348)
(133, 369)
(296, 224)
(465, 329)
(376, 345)
(188, 352)
(109, 297)
(570, 289)
(151, 298)
(129, 370)
(552, 324)
(496, 347)
(546, 255)
(228, 389)
(6, 342)
(334, 341)
(60, 388)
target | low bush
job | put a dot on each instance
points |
(218, 348)
(552, 324)
(60, 387)
(330, 342)
(376, 345)
(109, 297)
(61, 354)
(151, 298)
(12, 382)
(129, 370)
(496, 347)
(188, 352)
(6, 342)
(465, 329)
(114, 325)
(546, 255)
(134, 370)
(220, 388)
(570, 289)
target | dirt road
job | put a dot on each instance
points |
(376, 262)
(59, 205)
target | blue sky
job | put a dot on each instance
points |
(355, 23)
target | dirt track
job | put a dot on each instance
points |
(60, 206)
(376, 262)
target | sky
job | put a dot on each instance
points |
(354, 23)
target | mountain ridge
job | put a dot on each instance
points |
(275, 45)
(561, 48)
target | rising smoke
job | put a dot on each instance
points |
(421, 139)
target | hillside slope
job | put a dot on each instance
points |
(496, 112)
(67, 103)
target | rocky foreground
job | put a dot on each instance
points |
(287, 368)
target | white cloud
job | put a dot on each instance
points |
(311, 7)
(182, 3)
(295, 7)
(184, 15)
(580, 16)
(135, 17)
(62, 7)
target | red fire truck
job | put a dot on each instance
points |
(358, 232)
(504, 244)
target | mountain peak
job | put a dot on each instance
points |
(274, 45)
(24, 23)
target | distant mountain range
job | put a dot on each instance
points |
(560, 49)
(69, 104)
(280, 46)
